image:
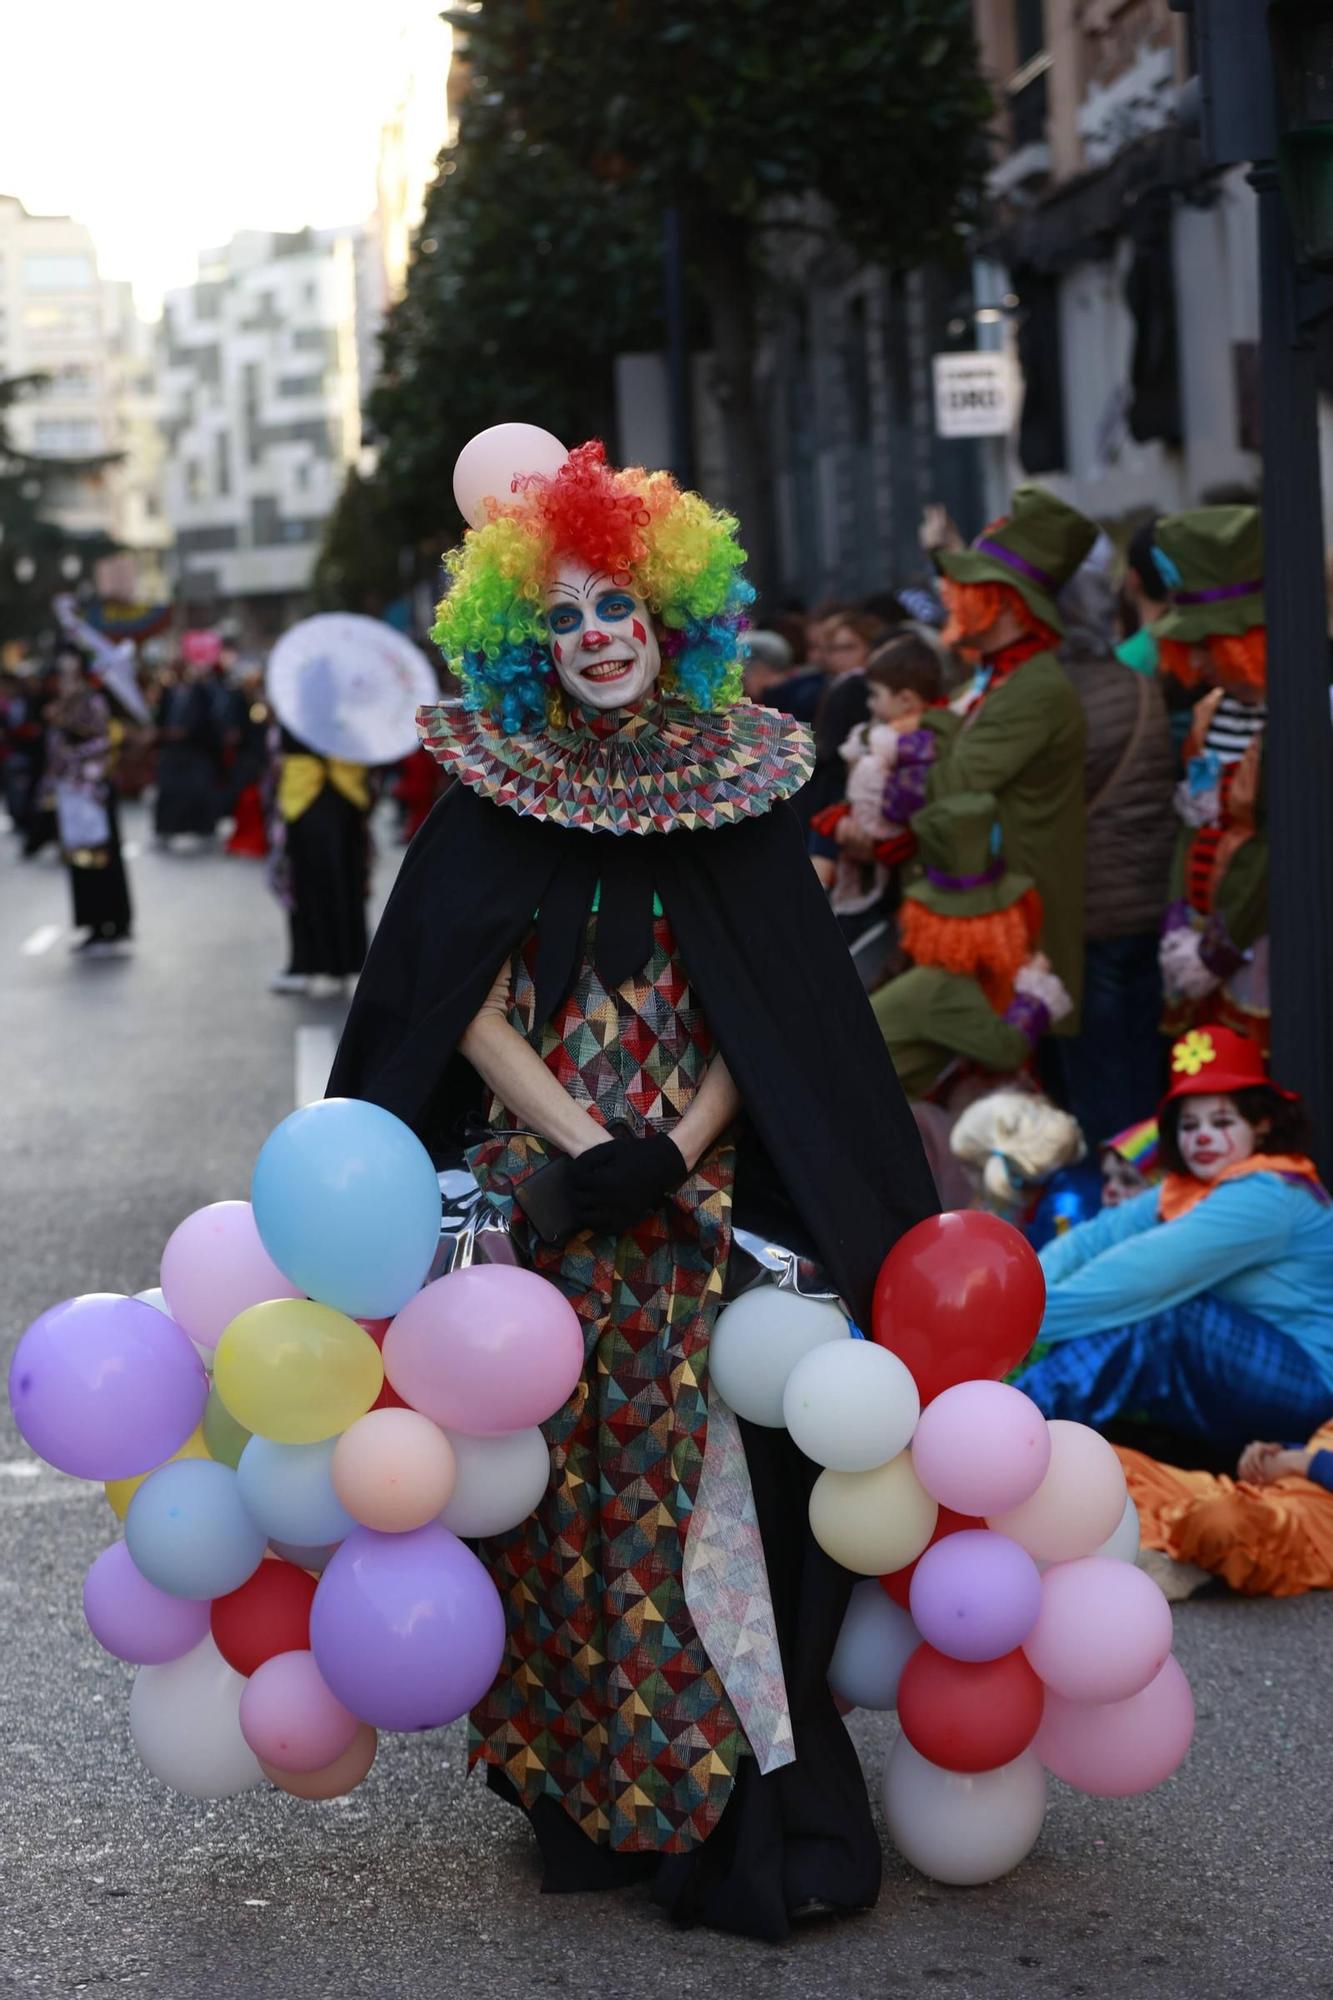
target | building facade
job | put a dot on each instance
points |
(259, 374)
(1125, 270)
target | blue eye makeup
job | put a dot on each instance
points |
(615, 606)
(565, 618)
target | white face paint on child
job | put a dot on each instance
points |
(601, 638)
(1212, 1135)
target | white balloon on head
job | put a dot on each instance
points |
(489, 463)
(498, 1482)
(851, 1405)
(960, 1827)
(757, 1341)
(186, 1724)
(875, 1643)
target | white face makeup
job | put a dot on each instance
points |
(601, 638)
(1212, 1135)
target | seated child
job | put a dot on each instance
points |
(1268, 1532)
(852, 843)
(1206, 1304)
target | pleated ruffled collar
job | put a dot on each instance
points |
(652, 769)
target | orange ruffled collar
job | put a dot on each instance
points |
(1179, 1193)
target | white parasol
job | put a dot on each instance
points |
(350, 687)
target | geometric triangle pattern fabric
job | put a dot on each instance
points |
(650, 769)
(607, 1700)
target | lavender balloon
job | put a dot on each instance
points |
(975, 1595)
(106, 1387)
(135, 1620)
(407, 1629)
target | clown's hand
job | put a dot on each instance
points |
(1037, 979)
(1184, 974)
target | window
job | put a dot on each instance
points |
(74, 381)
(222, 464)
(1026, 88)
(300, 385)
(61, 322)
(58, 271)
(66, 437)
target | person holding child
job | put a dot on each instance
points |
(1205, 1304)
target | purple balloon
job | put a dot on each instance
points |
(975, 1595)
(135, 1620)
(407, 1630)
(106, 1387)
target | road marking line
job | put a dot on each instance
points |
(315, 1049)
(41, 940)
(131, 850)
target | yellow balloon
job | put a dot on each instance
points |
(120, 1492)
(295, 1371)
(873, 1522)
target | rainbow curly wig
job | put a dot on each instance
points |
(678, 553)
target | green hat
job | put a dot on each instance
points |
(1214, 569)
(963, 871)
(1036, 547)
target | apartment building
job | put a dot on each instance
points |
(1121, 270)
(259, 375)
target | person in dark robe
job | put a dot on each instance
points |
(606, 955)
(188, 758)
(83, 728)
(322, 870)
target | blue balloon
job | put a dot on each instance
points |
(188, 1531)
(316, 1559)
(288, 1491)
(348, 1206)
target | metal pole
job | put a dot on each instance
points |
(1299, 737)
(679, 398)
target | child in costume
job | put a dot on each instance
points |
(1268, 1532)
(1214, 949)
(610, 921)
(1204, 1305)
(1022, 731)
(979, 995)
(903, 693)
(1129, 1163)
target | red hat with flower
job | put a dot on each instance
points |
(1208, 1062)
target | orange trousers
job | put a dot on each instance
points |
(1266, 1541)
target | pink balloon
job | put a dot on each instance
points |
(981, 1448)
(486, 1350)
(290, 1719)
(1079, 1502)
(1103, 1630)
(1116, 1749)
(343, 1775)
(214, 1266)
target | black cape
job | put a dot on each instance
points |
(829, 1155)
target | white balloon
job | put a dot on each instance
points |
(876, 1641)
(1122, 1544)
(758, 1339)
(185, 1721)
(490, 461)
(499, 1481)
(851, 1405)
(960, 1827)
(155, 1297)
(873, 1522)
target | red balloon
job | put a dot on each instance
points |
(388, 1398)
(967, 1715)
(959, 1299)
(898, 1583)
(269, 1614)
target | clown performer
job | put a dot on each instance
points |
(607, 956)
(1204, 1305)
(1214, 949)
(1022, 734)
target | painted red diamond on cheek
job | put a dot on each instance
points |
(639, 633)
(556, 650)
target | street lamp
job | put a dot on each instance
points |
(25, 569)
(70, 567)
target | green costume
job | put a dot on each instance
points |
(1024, 738)
(931, 1019)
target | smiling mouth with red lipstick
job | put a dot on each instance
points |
(604, 671)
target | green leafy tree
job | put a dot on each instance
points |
(745, 116)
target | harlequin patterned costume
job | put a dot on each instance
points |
(633, 883)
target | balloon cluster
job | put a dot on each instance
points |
(297, 1431)
(1002, 1612)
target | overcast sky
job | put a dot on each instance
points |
(167, 125)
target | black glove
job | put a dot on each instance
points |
(615, 1185)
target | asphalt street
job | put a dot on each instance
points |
(132, 1091)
